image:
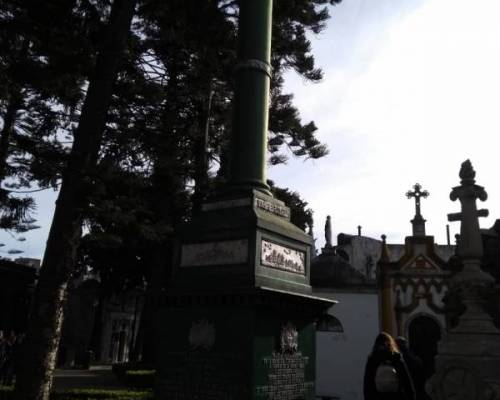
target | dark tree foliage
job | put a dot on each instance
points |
(38, 355)
(42, 67)
(171, 115)
(300, 215)
(169, 125)
(148, 156)
(173, 93)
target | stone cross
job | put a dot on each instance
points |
(417, 194)
(470, 244)
(418, 221)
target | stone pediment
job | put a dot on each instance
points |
(419, 264)
(420, 257)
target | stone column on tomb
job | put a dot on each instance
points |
(468, 361)
(237, 320)
(251, 98)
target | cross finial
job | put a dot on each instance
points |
(417, 194)
(418, 222)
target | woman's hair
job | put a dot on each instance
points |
(384, 341)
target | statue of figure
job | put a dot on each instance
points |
(328, 232)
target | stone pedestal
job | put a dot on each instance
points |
(245, 345)
(468, 363)
(238, 321)
(243, 241)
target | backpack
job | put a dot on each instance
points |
(386, 379)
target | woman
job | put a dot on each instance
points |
(386, 374)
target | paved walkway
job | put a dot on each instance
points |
(99, 376)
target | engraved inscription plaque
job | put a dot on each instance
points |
(286, 378)
(215, 253)
(283, 258)
(273, 208)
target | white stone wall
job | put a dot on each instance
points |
(361, 248)
(444, 251)
(341, 357)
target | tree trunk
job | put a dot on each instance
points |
(168, 181)
(95, 341)
(34, 378)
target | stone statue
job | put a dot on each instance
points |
(328, 232)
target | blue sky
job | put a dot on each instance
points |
(411, 89)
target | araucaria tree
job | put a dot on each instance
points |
(34, 378)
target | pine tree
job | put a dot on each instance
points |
(188, 53)
(42, 66)
(147, 119)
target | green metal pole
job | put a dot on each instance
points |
(251, 101)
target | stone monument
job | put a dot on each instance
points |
(468, 362)
(237, 320)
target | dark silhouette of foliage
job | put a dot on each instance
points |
(300, 215)
(132, 132)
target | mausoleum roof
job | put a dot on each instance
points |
(331, 270)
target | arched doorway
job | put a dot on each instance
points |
(424, 334)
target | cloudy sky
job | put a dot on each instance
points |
(411, 89)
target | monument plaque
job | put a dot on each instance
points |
(283, 258)
(273, 207)
(286, 370)
(215, 253)
(286, 378)
(201, 335)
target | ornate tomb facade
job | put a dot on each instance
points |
(398, 288)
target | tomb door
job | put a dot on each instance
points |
(424, 334)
